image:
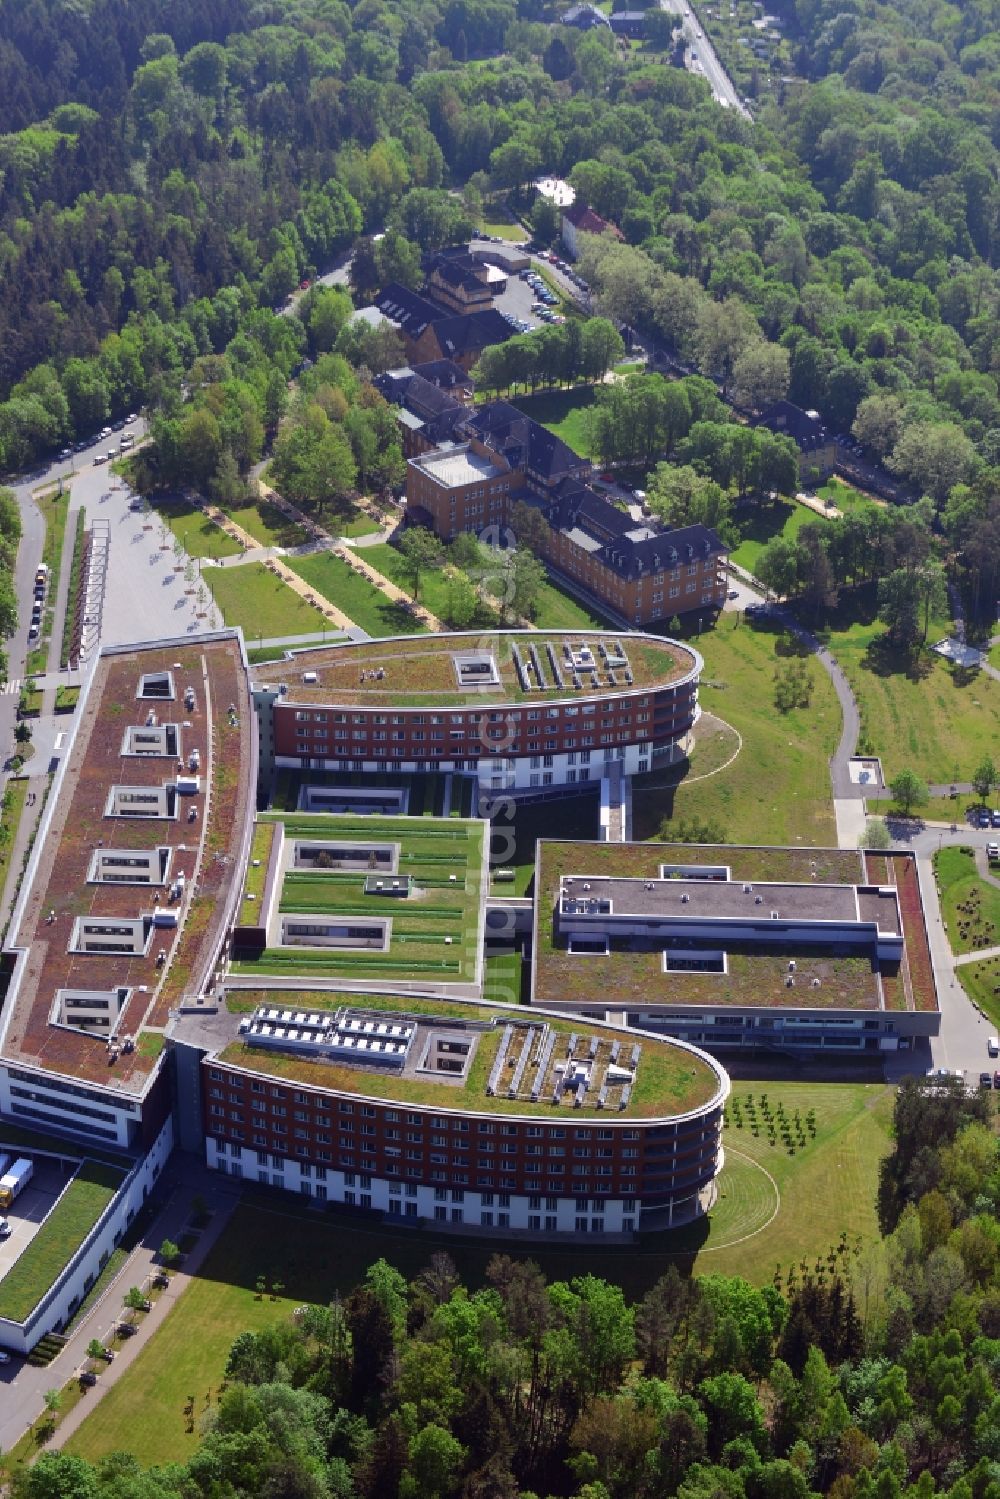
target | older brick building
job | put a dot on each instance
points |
(493, 456)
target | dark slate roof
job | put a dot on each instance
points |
(407, 308)
(444, 372)
(630, 548)
(455, 273)
(468, 334)
(789, 420)
(523, 442)
(584, 17)
(424, 399)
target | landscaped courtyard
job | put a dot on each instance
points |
(358, 598)
(261, 603)
(970, 906)
(434, 931)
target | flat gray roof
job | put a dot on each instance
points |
(461, 466)
(733, 900)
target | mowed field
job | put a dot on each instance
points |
(777, 789)
(796, 1207)
(261, 603)
(924, 716)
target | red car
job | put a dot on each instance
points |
(305, 285)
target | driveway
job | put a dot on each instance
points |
(22, 1387)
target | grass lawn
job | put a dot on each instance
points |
(936, 809)
(970, 907)
(59, 1237)
(360, 600)
(11, 809)
(495, 218)
(433, 582)
(844, 496)
(269, 525)
(263, 604)
(826, 1188)
(265, 654)
(199, 536)
(502, 984)
(563, 412)
(557, 610)
(760, 524)
(777, 790)
(358, 525)
(926, 716)
(981, 982)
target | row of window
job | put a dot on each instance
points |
(455, 1124)
(473, 720)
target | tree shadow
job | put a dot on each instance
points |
(287, 532)
(397, 617)
(885, 657)
(902, 827)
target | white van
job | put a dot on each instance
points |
(993, 1045)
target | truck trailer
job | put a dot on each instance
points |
(14, 1181)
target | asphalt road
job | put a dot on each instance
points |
(703, 58)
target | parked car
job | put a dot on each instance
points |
(996, 817)
(733, 593)
(33, 630)
(996, 1079)
(985, 1080)
(993, 852)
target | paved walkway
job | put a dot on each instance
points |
(22, 1396)
(974, 957)
(848, 796)
(344, 548)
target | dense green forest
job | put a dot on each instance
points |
(170, 172)
(866, 1375)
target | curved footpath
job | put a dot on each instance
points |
(964, 1028)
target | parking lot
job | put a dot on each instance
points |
(144, 597)
(30, 1209)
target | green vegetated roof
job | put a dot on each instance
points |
(420, 671)
(755, 979)
(435, 934)
(669, 1080)
(70, 1221)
